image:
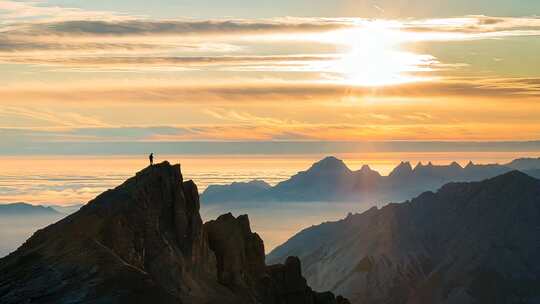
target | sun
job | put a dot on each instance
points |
(372, 57)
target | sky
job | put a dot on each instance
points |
(92, 76)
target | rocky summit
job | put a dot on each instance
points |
(145, 242)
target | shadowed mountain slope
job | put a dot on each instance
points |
(466, 243)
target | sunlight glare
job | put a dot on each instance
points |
(373, 57)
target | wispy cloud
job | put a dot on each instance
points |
(489, 26)
(227, 92)
(41, 117)
(111, 40)
(12, 11)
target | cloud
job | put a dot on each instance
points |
(101, 42)
(267, 92)
(168, 27)
(241, 62)
(11, 115)
(145, 27)
(257, 130)
(473, 27)
(11, 11)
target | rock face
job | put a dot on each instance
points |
(142, 242)
(467, 243)
(241, 267)
(239, 252)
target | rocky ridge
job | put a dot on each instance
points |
(145, 242)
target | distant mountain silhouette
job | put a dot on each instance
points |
(525, 164)
(145, 242)
(331, 180)
(23, 209)
(69, 209)
(237, 191)
(475, 242)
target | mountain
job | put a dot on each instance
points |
(331, 180)
(329, 176)
(475, 242)
(69, 209)
(144, 242)
(25, 209)
(524, 164)
(534, 173)
(19, 220)
(237, 191)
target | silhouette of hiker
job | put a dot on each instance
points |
(151, 158)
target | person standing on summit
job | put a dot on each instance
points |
(151, 158)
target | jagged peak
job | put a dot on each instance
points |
(330, 164)
(403, 167)
(163, 168)
(455, 164)
(365, 168)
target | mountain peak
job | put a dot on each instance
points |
(329, 164)
(163, 168)
(456, 165)
(403, 168)
(505, 182)
(514, 176)
(524, 163)
(365, 168)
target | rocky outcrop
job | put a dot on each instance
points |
(239, 252)
(466, 243)
(285, 284)
(142, 242)
(241, 267)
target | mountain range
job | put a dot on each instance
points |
(15, 209)
(25, 209)
(331, 180)
(19, 220)
(475, 242)
(145, 242)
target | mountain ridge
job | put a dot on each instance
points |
(331, 180)
(26, 209)
(144, 241)
(440, 247)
